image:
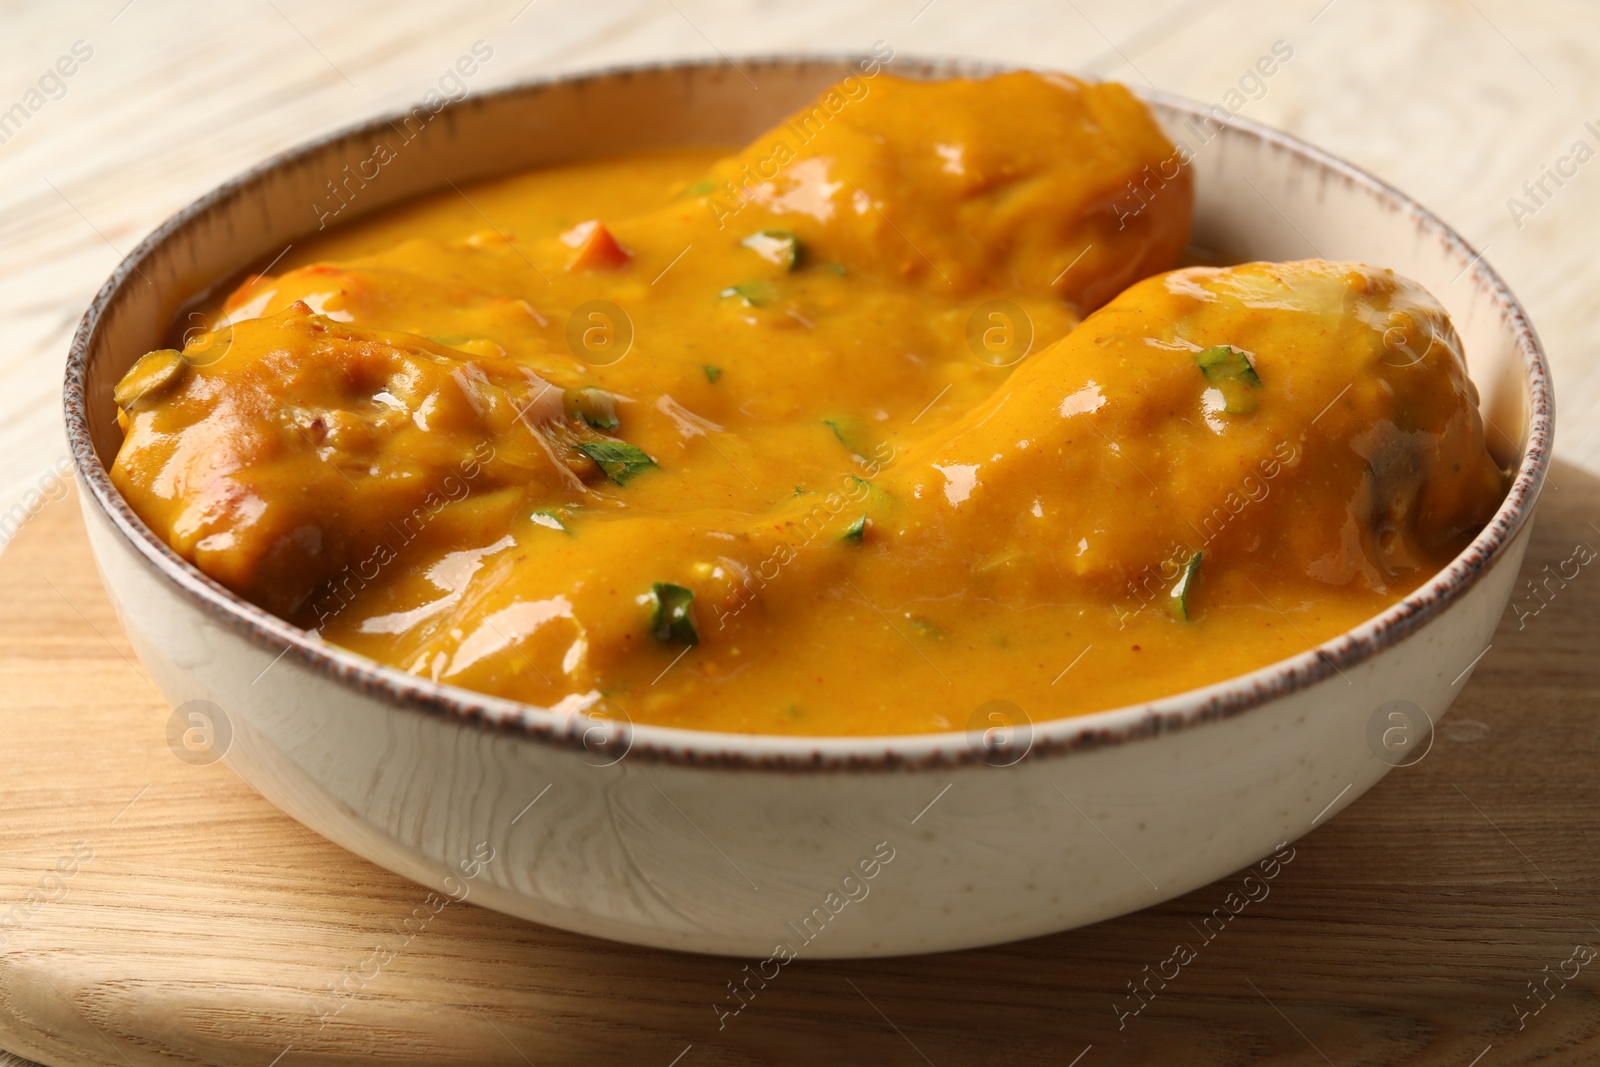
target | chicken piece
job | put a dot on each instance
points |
(291, 452)
(1042, 180)
(1303, 424)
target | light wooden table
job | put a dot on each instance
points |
(1404, 932)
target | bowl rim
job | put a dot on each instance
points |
(611, 740)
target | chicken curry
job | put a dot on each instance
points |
(904, 408)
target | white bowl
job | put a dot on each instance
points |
(737, 844)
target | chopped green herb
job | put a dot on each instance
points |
(752, 294)
(595, 406)
(620, 460)
(925, 628)
(856, 530)
(776, 246)
(799, 490)
(851, 432)
(699, 189)
(1178, 597)
(1229, 369)
(674, 614)
(712, 373)
(836, 268)
(548, 518)
(1224, 363)
(877, 499)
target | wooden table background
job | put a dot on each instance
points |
(1405, 932)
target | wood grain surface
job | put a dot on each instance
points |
(152, 912)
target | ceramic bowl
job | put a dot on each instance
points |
(818, 847)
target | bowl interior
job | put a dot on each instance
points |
(1261, 195)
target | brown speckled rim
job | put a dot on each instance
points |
(674, 745)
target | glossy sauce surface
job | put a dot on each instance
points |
(810, 439)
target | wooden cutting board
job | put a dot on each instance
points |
(161, 913)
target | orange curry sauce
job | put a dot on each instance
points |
(815, 438)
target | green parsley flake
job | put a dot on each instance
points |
(620, 460)
(673, 619)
